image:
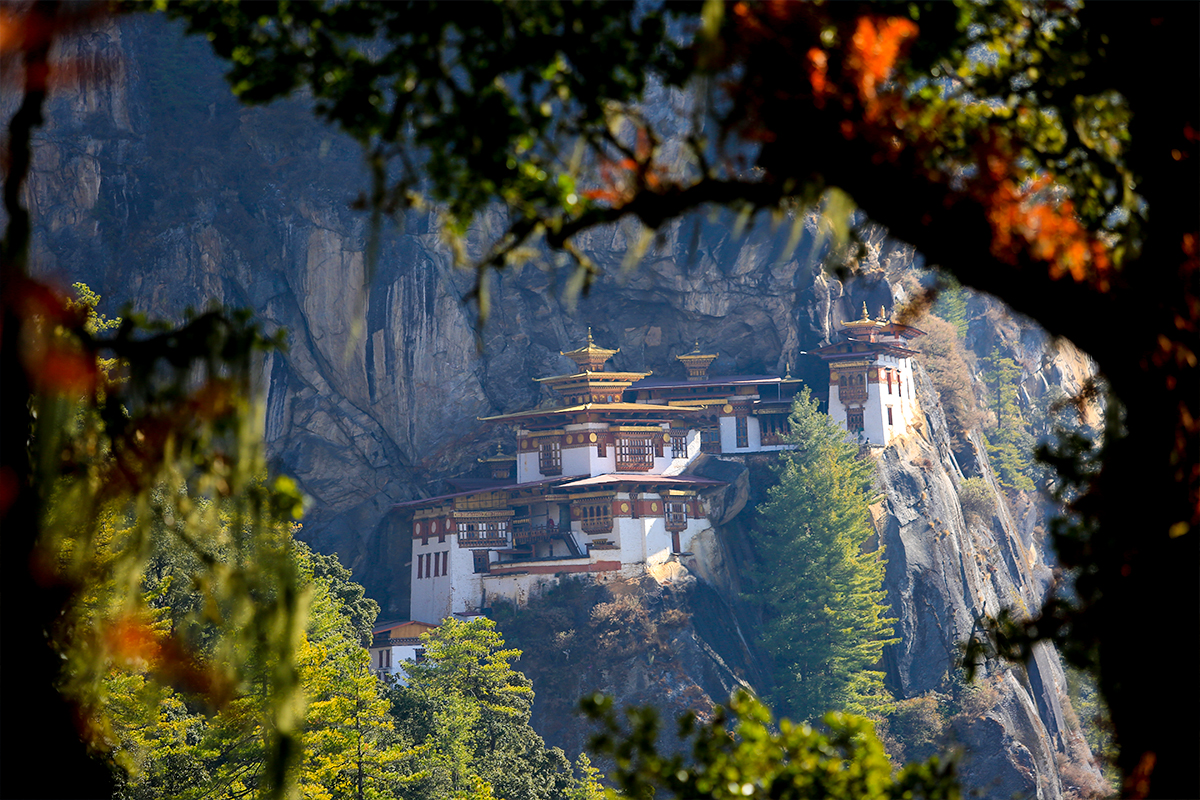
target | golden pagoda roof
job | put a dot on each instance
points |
(590, 357)
(499, 456)
(597, 377)
(591, 407)
(865, 320)
(695, 354)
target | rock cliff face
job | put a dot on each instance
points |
(154, 187)
(946, 569)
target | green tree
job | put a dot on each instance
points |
(742, 752)
(470, 709)
(169, 746)
(586, 785)
(1008, 441)
(825, 616)
(951, 305)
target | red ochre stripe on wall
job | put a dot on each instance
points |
(541, 569)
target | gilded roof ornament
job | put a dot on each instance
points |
(590, 357)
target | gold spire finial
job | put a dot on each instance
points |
(590, 335)
(787, 370)
(882, 313)
(866, 314)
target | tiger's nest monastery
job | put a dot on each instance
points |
(600, 483)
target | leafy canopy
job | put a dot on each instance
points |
(742, 752)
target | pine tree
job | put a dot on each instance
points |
(951, 304)
(822, 594)
(467, 706)
(1009, 443)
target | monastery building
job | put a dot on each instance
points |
(600, 481)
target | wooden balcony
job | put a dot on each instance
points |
(530, 534)
(852, 394)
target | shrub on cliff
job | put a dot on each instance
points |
(976, 498)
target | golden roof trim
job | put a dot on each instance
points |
(591, 348)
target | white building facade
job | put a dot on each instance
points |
(598, 484)
(872, 392)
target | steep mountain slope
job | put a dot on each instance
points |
(152, 186)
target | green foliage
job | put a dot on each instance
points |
(147, 465)
(168, 745)
(467, 710)
(352, 599)
(586, 785)
(951, 305)
(740, 753)
(977, 498)
(825, 622)
(1008, 441)
(1094, 721)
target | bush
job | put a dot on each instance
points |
(976, 498)
(918, 726)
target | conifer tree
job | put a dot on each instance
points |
(825, 618)
(469, 710)
(1009, 443)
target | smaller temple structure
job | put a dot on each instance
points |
(599, 482)
(393, 643)
(871, 389)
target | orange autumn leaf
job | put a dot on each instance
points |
(1030, 219)
(872, 54)
(818, 66)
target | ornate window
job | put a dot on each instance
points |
(635, 453)
(483, 533)
(550, 458)
(773, 428)
(596, 516)
(481, 561)
(676, 515)
(852, 387)
(743, 432)
(710, 439)
(678, 443)
(854, 420)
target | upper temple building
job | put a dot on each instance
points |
(871, 388)
(599, 482)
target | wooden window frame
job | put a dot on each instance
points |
(596, 517)
(675, 514)
(679, 444)
(855, 415)
(550, 458)
(742, 427)
(635, 452)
